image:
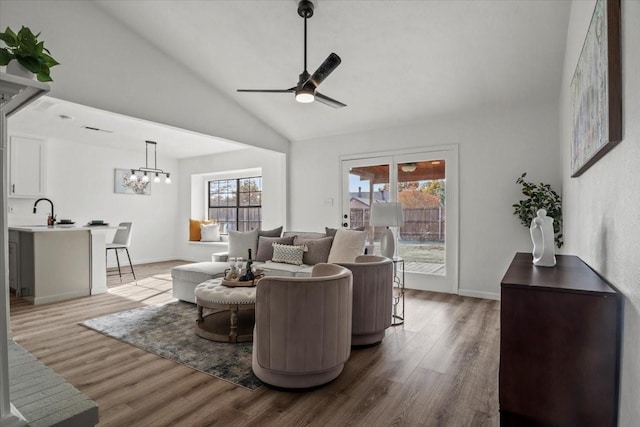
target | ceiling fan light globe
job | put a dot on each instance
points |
(304, 97)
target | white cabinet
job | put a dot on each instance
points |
(27, 162)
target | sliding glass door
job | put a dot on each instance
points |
(425, 186)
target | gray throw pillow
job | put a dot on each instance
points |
(241, 241)
(330, 231)
(276, 232)
(265, 246)
(317, 250)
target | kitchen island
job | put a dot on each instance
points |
(56, 263)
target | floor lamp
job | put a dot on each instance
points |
(387, 215)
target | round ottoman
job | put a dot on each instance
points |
(233, 312)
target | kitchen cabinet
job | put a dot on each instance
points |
(559, 345)
(27, 167)
(51, 264)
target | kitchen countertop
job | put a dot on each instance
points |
(61, 227)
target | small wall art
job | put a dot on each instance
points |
(122, 184)
(596, 89)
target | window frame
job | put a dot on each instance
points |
(238, 206)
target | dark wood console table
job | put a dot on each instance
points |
(559, 345)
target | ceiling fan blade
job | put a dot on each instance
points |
(328, 101)
(325, 69)
(268, 90)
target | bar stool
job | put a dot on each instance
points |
(122, 240)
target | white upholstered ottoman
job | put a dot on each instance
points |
(186, 277)
(233, 312)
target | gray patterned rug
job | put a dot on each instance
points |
(168, 331)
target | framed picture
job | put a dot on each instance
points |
(122, 184)
(596, 89)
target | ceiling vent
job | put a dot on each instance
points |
(97, 129)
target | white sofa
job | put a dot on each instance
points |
(187, 277)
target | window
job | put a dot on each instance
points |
(236, 204)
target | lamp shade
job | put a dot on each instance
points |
(386, 215)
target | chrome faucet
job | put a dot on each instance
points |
(52, 218)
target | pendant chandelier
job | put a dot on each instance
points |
(143, 173)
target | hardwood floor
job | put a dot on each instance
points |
(438, 369)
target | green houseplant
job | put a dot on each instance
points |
(25, 48)
(539, 196)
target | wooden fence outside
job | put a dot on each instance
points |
(419, 224)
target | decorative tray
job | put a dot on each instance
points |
(239, 284)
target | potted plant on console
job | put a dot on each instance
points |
(541, 201)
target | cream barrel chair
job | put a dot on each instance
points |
(302, 335)
(372, 298)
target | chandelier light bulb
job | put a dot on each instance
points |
(156, 179)
(145, 178)
(133, 177)
(168, 180)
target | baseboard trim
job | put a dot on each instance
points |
(479, 294)
(125, 264)
(58, 297)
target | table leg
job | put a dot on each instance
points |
(233, 323)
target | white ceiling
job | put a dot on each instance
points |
(58, 119)
(402, 62)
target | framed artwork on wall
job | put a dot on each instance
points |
(596, 90)
(123, 185)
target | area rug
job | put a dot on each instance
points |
(168, 331)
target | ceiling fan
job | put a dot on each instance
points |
(305, 90)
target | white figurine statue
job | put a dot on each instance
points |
(543, 240)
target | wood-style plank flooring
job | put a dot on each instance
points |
(438, 369)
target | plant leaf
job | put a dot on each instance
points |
(30, 63)
(5, 56)
(9, 37)
(48, 60)
(43, 76)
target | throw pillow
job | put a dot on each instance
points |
(209, 232)
(241, 241)
(194, 228)
(347, 245)
(317, 250)
(276, 232)
(288, 254)
(265, 246)
(330, 231)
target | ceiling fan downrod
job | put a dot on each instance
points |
(305, 10)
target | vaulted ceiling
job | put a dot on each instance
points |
(402, 61)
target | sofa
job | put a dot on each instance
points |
(273, 253)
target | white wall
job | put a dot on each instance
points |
(274, 201)
(80, 182)
(495, 147)
(105, 65)
(601, 206)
